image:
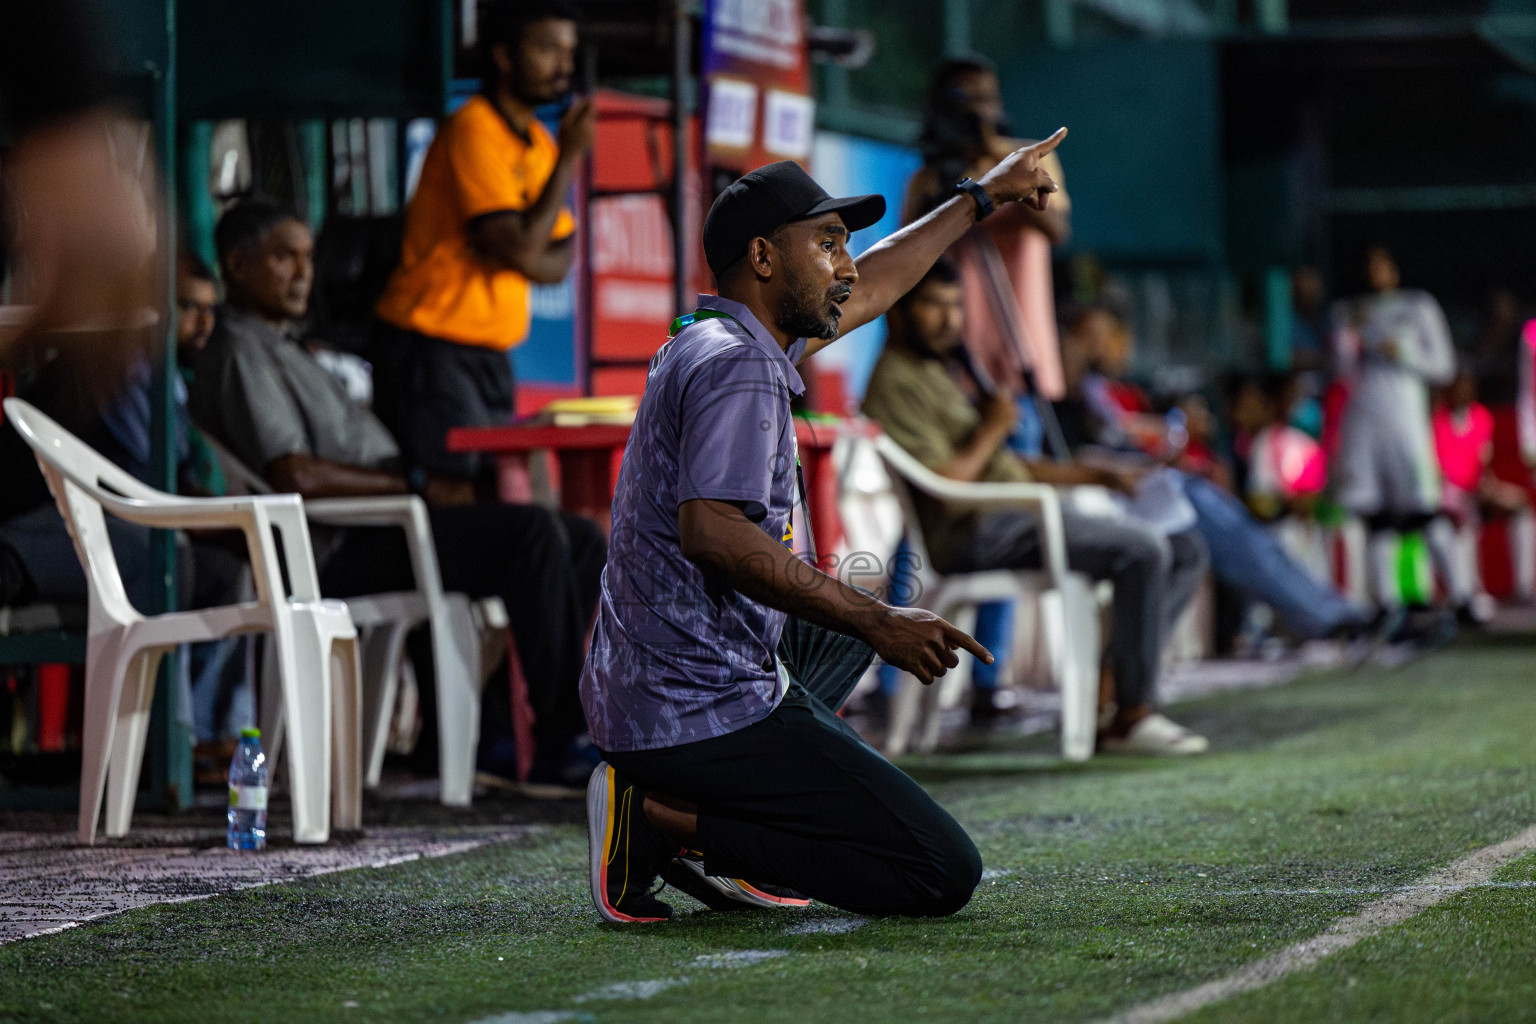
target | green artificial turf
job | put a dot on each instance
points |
(1469, 960)
(1109, 884)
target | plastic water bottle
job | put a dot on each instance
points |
(248, 794)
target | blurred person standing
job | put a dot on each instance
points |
(1392, 345)
(1005, 263)
(83, 229)
(1005, 274)
(488, 219)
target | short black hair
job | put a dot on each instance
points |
(950, 71)
(943, 271)
(248, 223)
(194, 266)
(504, 22)
(951, 130)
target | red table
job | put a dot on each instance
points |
(588, 458)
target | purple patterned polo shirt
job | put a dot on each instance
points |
(677, 655)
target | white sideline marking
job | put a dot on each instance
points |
(738, 957)
(1475, 870)
(626, 990)
(1369, 892)
(826, 926)
(992, 874)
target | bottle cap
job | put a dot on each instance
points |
(250, 734)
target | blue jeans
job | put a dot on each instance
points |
(1245, 557)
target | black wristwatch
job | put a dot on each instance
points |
(984, 204)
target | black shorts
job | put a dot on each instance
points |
(425, 386)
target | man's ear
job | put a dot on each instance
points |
(234, 266)
(760, 258)
(501, 56)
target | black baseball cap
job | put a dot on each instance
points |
(773, 195)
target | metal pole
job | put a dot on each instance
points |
(170, 767)
(682, 50)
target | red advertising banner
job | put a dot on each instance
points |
(757, 78)
(629, 275)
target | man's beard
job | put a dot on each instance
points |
(802, 313)
(542, 92)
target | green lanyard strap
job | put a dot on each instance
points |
(689, 319)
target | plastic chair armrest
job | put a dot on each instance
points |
(406, 511)
(173, 512)
(1041, 498)
(384, 510)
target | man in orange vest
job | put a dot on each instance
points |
(488, 218)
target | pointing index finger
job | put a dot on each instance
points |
(1044, 147)
(959, 638)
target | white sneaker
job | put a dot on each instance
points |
(1156, 735)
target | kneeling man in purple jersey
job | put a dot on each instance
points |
(719, 659)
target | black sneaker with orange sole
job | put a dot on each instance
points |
(626, 851)
(686, 873)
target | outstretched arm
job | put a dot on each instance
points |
(895, 264)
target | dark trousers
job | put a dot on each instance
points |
(544, 565)
(799, 799)
(1154, 578)
(424, 386)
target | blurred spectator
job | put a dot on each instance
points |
(197, 296)
(1248, 412)
(1005, 262)
(1244, 556)
(1492, 353)
(1309, 321)
(488, 218)
(1463, 429)
(1287, 470)
(1122, 414)
(1391, 346)
(912, 394)
(262, 394)
(43, 565)
(82, 224)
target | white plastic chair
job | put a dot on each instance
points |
(315, 642)
(385, 620)
(1069, 605)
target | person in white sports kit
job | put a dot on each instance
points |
(1392, 345)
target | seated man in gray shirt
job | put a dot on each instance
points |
(285, 416)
